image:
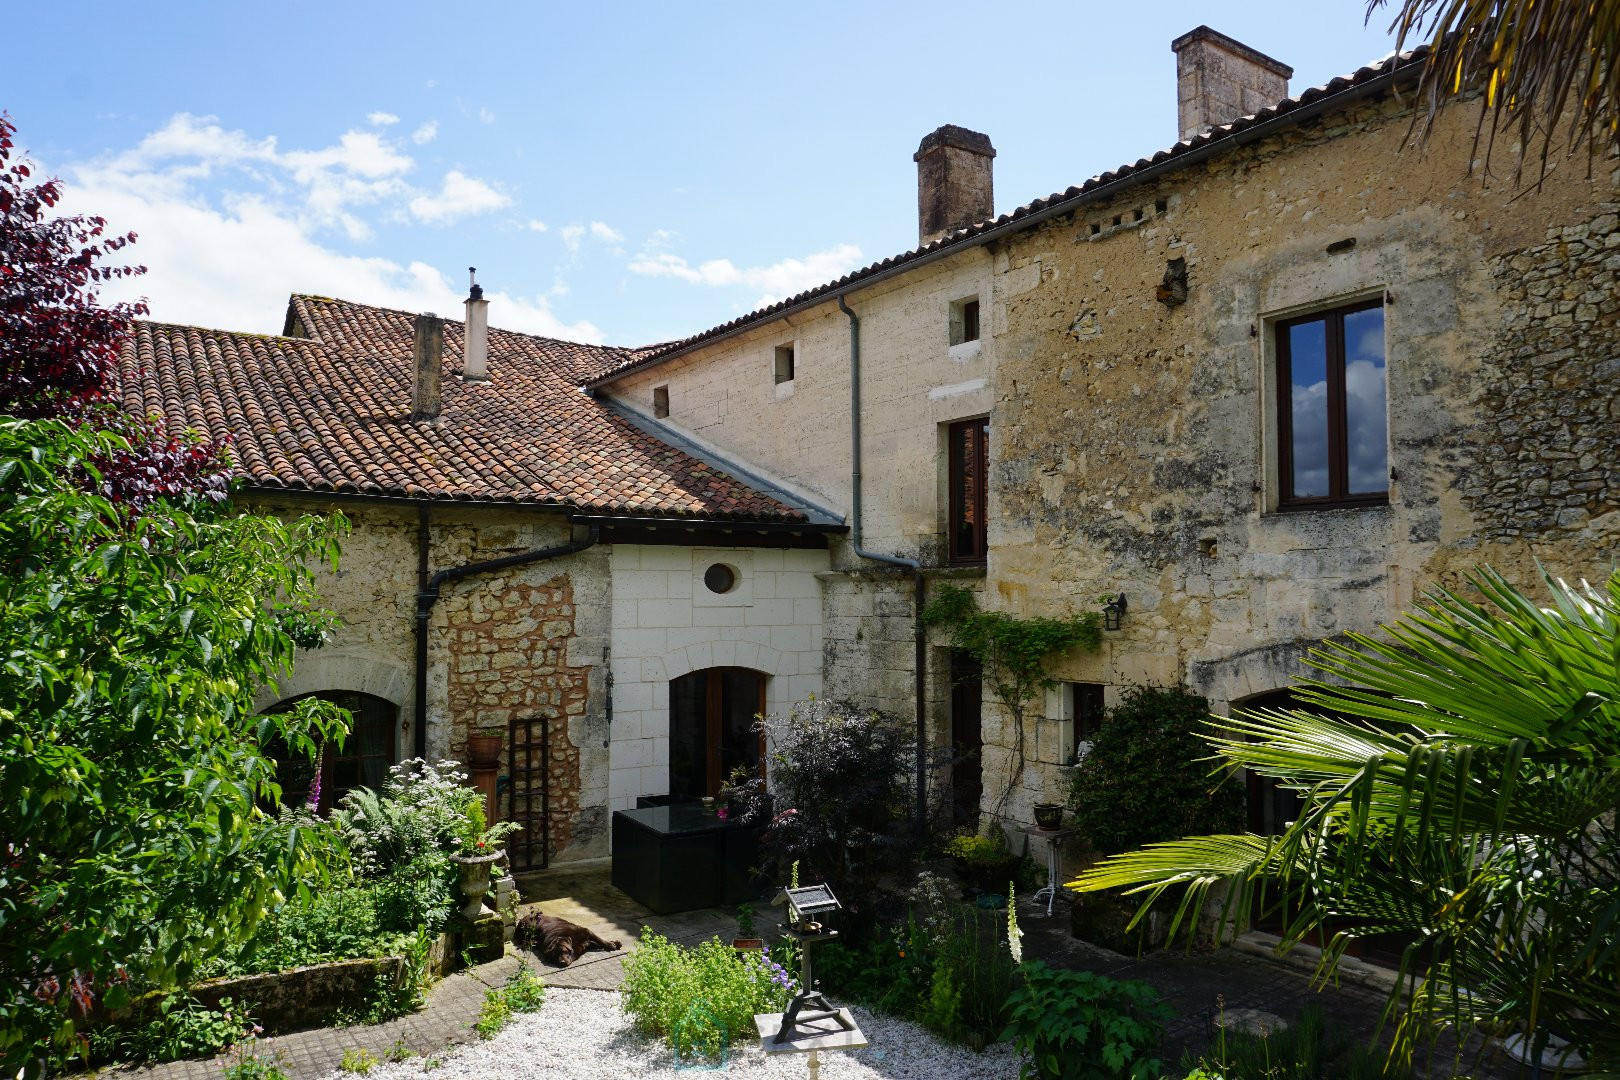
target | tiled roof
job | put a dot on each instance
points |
(1031, 213)
(330, 412)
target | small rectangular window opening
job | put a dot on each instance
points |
(784, 363)
(965, 321)
(661, 401)
(1088, 713)
(1161, 205)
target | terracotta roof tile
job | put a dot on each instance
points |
(331, 413)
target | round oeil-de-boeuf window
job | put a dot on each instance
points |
(720, 578)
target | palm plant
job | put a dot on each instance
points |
(1532, 59)
(1462, 792)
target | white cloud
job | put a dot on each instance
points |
(382, 119)
(426, 133)
(459, 196)
(231, 225)
(536, 225)
(485, 116)
(571, 235)
(776, 282)
(606, 233)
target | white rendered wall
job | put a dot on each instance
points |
(667, 623)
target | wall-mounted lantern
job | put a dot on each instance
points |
(1113, 612)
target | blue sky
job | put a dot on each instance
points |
(627, 173)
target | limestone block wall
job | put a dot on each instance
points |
(1133, 444)
(666, 623)
(913, 381)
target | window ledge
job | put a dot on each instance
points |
(967, 350)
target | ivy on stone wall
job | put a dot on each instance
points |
(1012, 652)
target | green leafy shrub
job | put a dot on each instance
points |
(1147, 778)
(701, 999)
(524, 992)
(248, 1062)
(358, 1060)
(178, 1027)
(1076, 1025)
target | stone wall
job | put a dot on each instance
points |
(1134, 442)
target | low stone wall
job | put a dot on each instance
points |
(305, 997)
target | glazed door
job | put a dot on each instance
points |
(714, 728)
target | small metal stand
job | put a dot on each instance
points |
(809, 1010)
(1053, 838)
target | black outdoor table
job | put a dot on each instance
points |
(682, 857)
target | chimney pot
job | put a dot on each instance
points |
(955, 181)
(475, 333)
(429, 356)
(1219, 79)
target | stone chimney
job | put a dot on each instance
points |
(954, 183)
(429, 353)
(1219, 79)
(475, 332)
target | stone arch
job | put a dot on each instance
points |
(1231, 680)
(324, 670)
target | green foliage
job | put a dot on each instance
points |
(178, 1027)
(132, 648)
(745, 921)
(1012, 654)
(1147, 777)
(1076, 1025)
(950, 972)
(840, 774)
(700, 1000)
(972, 848)
(1303, 1050)
(1013, 651)
(249, 1063)
(358, 1060)
(1461, 791)
(524, 992)
(494, 1015)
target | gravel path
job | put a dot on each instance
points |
(583, 1035)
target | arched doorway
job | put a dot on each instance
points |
(713, 728)
(362, 762)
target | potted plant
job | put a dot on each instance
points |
(982, 863)
(747, 939)
(478, 849)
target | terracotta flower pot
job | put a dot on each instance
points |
(474, 880)
(484, 750)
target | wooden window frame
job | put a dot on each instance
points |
(1339, 495)
(975, 434)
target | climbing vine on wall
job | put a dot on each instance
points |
(1012, 653)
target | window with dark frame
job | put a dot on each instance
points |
(1088, 712)
(1332, 409)
(660, 401)
(784, 363)
(968, 449)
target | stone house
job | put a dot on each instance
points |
(1266, 385)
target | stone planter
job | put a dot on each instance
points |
(475, 871)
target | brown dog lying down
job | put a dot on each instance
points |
(558, 941)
